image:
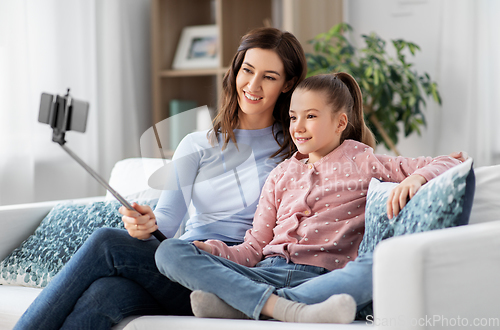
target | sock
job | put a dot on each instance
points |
(205, 304)
(339, 308)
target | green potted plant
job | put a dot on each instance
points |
(393, 92)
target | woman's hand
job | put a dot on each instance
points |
(460, 155)
(203, 246)
(140, 223)
(404, 191)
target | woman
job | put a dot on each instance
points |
(113, 275)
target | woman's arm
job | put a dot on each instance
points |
(178, 177)
(412, 173)
(399, 196)
(460, 155)
(405, 191)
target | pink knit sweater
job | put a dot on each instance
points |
(314, 213)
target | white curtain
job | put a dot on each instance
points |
(469, 79)
(99, 49)
(124, 78)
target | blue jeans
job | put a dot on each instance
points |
(248, 288)
(112, 276)
(354, 279)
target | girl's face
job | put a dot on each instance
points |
(314, 128)
(260, 81)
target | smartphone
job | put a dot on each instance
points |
(55, 112)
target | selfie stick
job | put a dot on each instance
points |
(58, 136)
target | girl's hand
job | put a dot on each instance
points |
(203, 246)
(400, 195)
(140, 223)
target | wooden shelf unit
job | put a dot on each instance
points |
(233, 18)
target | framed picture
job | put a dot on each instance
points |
(197, 48)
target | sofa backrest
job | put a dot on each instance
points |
(486, 205)
(129, 177)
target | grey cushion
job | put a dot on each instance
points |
(67, 226)
(445, 201)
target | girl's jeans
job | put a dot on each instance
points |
(112, 276)
(248, 288)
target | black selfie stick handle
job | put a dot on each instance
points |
(158, 234)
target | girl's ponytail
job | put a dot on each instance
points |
(357, 130)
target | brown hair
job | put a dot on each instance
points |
(343, 94)
(288, 48)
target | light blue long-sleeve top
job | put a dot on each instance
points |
(223, 185)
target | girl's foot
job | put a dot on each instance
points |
(205, 304)
(339, 308)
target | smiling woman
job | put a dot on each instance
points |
(279, 46)
(259, 83)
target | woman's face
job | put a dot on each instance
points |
(260, 81)
(314, 128)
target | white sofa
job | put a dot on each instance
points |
(442, 278)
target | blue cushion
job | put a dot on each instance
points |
(445, 201)
(67, 226)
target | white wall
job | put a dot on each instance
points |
(415, 21)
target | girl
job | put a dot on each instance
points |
(113, 275)
(310, 217)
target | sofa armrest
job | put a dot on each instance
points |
(19, 221)
(444, 278)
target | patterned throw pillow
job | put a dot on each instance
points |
(445, 201)
(67, 226)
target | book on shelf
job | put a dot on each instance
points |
(182, 120)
